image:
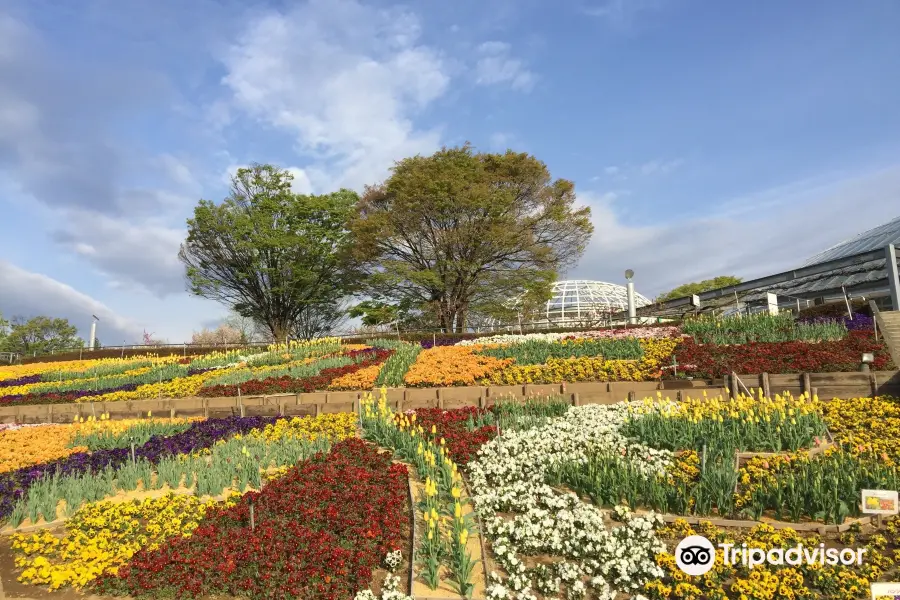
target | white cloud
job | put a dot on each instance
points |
(345, 80)
(30, 294)
(142, 256)
(621, 14)
(761, 234)
(301, 183)
(659, 167)
(496, 66)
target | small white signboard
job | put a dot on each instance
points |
(886, 591)
(880, 502)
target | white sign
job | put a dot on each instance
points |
(880, 502)
(695, 300)
(772, 301)
(886, 591)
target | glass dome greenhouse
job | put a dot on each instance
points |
(581, 300)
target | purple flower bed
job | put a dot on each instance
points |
(20, 381)
(440, 341)
(202, 434)
(64, 397)
(859, 322)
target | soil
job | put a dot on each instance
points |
(421, 590)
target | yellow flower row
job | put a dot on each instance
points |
(181, 387)
(559, 370)
(103, 536)
(16, 371)
(780, 408)
(335, 426)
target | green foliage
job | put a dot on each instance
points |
(41, 335)
(394, 370)
(449, 232)
(268, 253)
(537, 352)
(56, 382)
(761, 327)
(295, 371)
(689, 289)
(137, 434)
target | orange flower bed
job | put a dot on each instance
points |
(452, 365)
(364, 379)
(32, 445)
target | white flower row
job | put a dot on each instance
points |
(523, 516)
(637, 332)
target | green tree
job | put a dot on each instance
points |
(4, 332)
(445, 232)
(268, 253)
(41, 335)
(689, 289)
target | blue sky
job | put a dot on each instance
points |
(708, 138)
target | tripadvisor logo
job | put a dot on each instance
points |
(695, 555)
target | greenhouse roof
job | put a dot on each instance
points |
(859, 273)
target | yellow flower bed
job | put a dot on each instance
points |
(452, 365)
(559, 370)
(103, 536)
(16, 371)
(865, 425)
(181, 387)
(335, 426)
(364, 379)
(769, 582)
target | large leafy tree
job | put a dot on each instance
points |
(40, 335)
(447, 232)
(268, 253)
(689, 289)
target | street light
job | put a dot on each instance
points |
(630, 292)
(94, 331)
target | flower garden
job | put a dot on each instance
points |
(533, 500)
(524, 500)
(701, 349)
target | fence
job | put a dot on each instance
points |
(79, 353)
(840, 385)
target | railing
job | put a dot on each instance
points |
(525, 327)
(9, 357)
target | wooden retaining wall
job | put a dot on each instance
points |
(826, 385)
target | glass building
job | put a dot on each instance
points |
(582, 301)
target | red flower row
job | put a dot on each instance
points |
(708, 360)
(320, 531)
(287, 384)
(453, 425)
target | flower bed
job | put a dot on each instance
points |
(287, 384)
(709, 361)
(320, 531)
(14, 485)
(457, 429)
(452, 365)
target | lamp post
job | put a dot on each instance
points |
(94, 331)
(867, 359)
(630, 292)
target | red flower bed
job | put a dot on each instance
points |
(320, 532)
(289, 385)
(452, 425)
(709, 360)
